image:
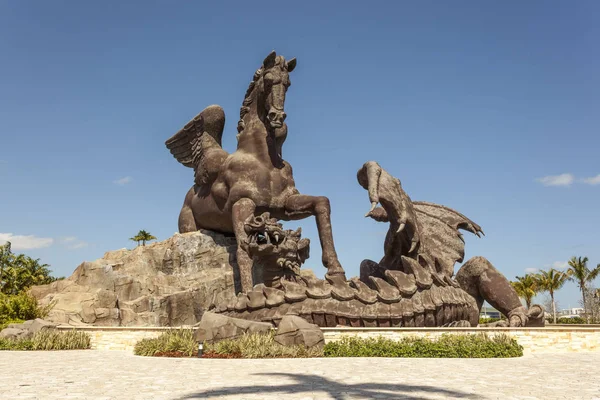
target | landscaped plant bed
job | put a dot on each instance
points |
(49, 340)
(179, 343)
(447, 346)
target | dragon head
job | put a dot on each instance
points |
(282, 252)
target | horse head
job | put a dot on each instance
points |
(266, 93)
(272, 88)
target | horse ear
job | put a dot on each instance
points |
(269, 62)
(291, 64)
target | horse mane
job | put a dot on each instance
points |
(248, 99)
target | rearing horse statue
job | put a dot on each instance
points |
(254, 179)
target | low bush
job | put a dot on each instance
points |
(49, 339)
(259, 345)
(489, 320)
(20, 307)
(181, 343)
(575, 320)
(447, 346)
(178, 341)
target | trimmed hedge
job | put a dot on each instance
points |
(575, 320)
(447, 346)
(49, 339)
(179, 341)
(260, 345)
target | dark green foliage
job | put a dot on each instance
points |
(49, 340)
(575, 320)
(20, 307)
(489, 320)
(447, 346)
(19, 272)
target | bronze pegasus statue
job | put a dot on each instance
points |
(229, 188)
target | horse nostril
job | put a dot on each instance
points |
(272, 115)
(283, 116)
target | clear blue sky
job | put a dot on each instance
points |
(471, 104)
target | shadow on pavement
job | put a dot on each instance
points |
(327, 388)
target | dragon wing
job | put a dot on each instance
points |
(199, 137)
(440, 235)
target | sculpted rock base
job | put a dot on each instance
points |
(169, 283)
(26, 330)
(215, 327)
(294, 330)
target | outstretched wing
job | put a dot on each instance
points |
(192, 145)
(440, 234)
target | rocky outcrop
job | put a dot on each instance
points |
(169, 283)
(293, 330)
(214, 327)
(26, 330)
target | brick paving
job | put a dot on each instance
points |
(121, 375)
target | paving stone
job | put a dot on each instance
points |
(101, 375)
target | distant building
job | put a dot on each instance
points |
(489, 312)
(570, 312)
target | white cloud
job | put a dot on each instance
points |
(594, 180)
(71, 242)
(22, 242)
(123, 181)
(557, 180)
(531, 270)
(560, 265)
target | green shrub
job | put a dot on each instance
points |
(447, 346)
(575, 320)
(260, 345)
(22, 306)
(49, 339)
(490, 320)
(255, 345)
(173, 340)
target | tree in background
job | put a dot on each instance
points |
(526, 288)
(143, 236)
(19, 272)
(550, 281)
(580, 274)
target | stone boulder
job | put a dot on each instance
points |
(294, 330)
(168, 283)
(215, 327)
(26, 330)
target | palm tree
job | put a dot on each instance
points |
(551, 281)
(143, 236)
(526, 288)
(580, 273)
(136, 238)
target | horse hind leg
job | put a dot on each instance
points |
(187, 222)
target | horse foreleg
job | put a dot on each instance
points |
(240, 211)
(300, 206)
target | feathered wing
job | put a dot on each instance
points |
(440, 236)
(198, 144)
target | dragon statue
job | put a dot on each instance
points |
(412, 286)
(229, 188)
(248, 192)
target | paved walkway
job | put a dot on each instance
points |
(120, 375)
